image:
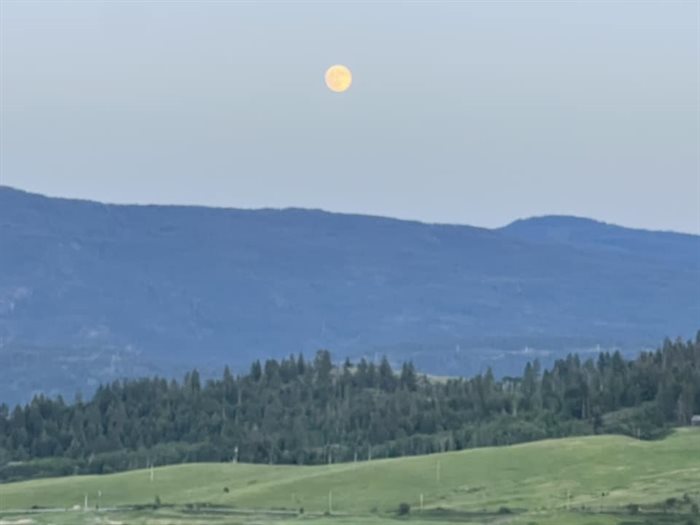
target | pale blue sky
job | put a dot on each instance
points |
(465, 112)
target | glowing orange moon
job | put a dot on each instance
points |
(338, 78)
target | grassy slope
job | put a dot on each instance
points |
(536, 476)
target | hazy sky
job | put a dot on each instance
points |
(464, 111)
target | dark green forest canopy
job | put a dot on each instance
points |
(311, 411)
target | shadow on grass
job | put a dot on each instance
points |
(462, 516)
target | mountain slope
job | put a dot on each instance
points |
(670, 247)
(156, 287)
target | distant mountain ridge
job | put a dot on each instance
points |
(162, 287)
(588, 233)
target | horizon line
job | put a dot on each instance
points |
(345, 213)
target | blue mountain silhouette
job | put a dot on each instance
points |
(91, 291)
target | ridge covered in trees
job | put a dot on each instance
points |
(309, 412)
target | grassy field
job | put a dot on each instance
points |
(578, 481)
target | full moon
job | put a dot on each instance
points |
(338, 78)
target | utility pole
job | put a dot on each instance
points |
(437, 471)
(421, 502)
(152, 473)
(85, 504)
(330, 502)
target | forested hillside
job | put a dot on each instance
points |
(92, 292)
(310, 412)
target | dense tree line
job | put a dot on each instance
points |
(306, 412)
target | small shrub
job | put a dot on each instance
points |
(226, 490)
(404, 509)
(156, 502)
(633, 508)
(694, 509)
(505, 510)
(301, 510)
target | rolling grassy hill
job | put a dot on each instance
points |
(589, 480)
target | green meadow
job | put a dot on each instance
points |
(592, 480)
